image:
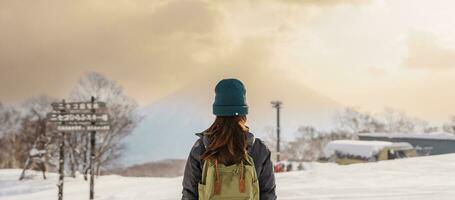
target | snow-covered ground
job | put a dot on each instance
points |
(419, 178)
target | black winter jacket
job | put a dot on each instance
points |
(256, 149)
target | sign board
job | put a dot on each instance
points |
(80, 128)
(77, 117)
(81, 106)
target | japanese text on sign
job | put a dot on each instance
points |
(77, 117)
(78, 106)
(74, 128)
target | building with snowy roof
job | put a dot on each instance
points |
(355, 151)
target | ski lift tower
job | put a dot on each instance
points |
(277, 105)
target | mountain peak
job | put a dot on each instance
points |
(170, 123)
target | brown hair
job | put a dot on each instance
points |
(228, 142)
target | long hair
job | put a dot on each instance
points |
(228, 141)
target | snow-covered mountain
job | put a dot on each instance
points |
(171, 122)
(419, 178)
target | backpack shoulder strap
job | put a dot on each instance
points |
(204, 172)
(249, 160)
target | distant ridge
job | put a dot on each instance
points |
(161, 168)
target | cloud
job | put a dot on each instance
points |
(377, 71)
(185, 17)
(135, 42)
(152, 46)
(425, 53)
(326, 3)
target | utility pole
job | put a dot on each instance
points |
(277, 105)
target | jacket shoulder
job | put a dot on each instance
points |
(198, 149)
(259, 144)
(260, 152)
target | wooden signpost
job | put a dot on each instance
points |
(73, 117)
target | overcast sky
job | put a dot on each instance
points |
(370, 54)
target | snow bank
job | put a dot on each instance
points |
(419, 178)
(365, 149)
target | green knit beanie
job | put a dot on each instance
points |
(230, 99)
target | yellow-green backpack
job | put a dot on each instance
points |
(234, 182)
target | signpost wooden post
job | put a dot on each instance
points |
(92, 158)
(61, 161)
(72, 117)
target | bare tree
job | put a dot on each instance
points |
(309, 143)
(398, 122)
(24, 139)
(449, 127)
(302, 147)
(271, 141)
(123, 118)
(35, 135)
(354, 121)
(9, 118)
(9, 129)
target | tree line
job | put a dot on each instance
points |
(308, 143)
(27, 137)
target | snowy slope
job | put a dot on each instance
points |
(420, 178)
